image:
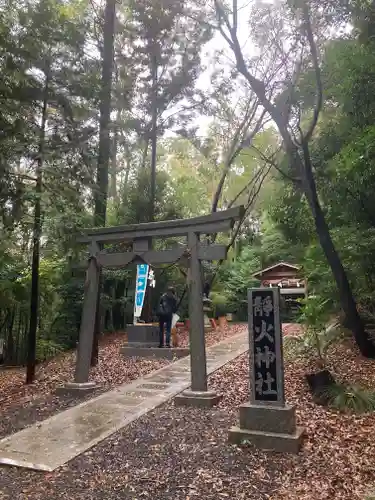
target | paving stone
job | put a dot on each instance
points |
(155, 386)
(53, 442)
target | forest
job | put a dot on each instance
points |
(123, 112)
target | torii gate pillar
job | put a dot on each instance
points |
(139, 236)
(198, 395)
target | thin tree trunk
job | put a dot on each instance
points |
(37, 232)
(10, 340)
(145, 153)
(347, 300)
(18, 335)
(104, 147)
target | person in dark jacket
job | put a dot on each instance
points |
(167, 307)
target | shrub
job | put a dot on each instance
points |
(345, 397)
(318, 338)
(46, 349)
(314, 342)
(219, 302)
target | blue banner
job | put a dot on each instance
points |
(140, 289)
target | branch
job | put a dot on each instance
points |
(318, 76)
(235, 16)
(21, 176)
(257, 85)
(221, 16)
(233, 154)
(252, 197)
(246, 187)
(250, 201)
(270, 161)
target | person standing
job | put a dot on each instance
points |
(167, 307)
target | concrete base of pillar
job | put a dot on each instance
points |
(269, 428)
(75, 388)
(198, 399)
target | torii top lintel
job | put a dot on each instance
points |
(207, 224)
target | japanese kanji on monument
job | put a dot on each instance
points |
(267, 381)
(266, 421)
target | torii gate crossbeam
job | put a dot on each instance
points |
(141, 235)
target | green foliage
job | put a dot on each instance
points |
(46, 349)
(220, 303)
(67, 37)
(235, 278)
(350, 398)
(135, 208)
(318, 336)
(313, 343)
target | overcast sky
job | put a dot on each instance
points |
(217, 43)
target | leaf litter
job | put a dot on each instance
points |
(183, 453)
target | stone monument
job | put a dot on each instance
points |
(267, 421)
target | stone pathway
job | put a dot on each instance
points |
(50, 444)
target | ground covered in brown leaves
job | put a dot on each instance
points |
(183, 454)
(22, 405)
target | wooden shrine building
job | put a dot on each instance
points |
(290, 280)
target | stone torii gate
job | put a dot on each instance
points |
(140, 236)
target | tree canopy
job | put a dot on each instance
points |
(195, 117)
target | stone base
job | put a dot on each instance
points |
(75, 388)
(154, 352)
(143, 335)
(198, 399)
(278, 419)
(268, 427)
(272, 441)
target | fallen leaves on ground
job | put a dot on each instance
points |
(22, 405)
(292, 329)
(113, 369)
(183, 453)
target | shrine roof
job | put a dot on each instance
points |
(261, 273)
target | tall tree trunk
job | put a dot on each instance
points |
(147, 305)
(104, 145)
(113, 184)
(37, 232)
(154, 135)
(347, 300)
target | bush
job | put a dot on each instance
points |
(314, 343)
(315, 315)
(219, 302)
(46, 349)
(345, 397)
